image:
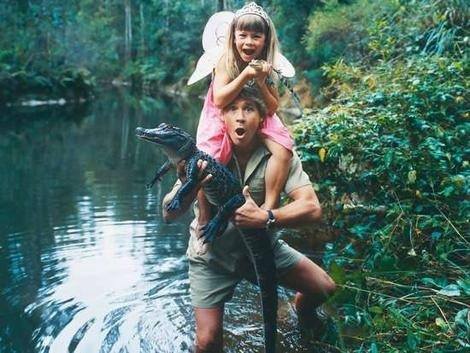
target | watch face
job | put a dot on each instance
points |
(271, 219)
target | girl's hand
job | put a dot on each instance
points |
(263, 70)
(250, 71)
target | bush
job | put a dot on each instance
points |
(390, 158)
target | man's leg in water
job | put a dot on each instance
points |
(209, 329)
(312, 283)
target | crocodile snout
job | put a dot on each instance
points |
(140, 131)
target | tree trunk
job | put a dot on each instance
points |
(220, 5)
(142, 32)
(128, 31)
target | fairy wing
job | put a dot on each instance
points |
(283, 65)
(213, 40)
(216, 30)
(205, 65)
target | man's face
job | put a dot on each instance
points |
(242, 120)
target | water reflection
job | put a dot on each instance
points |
(86, 265)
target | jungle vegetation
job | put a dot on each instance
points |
(385, 140)
(389, 155)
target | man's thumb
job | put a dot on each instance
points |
(246, 193)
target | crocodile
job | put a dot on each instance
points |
(224, 192)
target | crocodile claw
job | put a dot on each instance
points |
(148, 186)
(209, 232)
(174, 205)
(212, 230)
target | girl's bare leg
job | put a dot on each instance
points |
(276, 172)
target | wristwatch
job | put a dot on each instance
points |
(271, 219)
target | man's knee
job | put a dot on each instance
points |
(328, 285)
(208, 342)
(323, 288)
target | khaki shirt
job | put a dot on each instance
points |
(228, 249)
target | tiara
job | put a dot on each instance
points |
(252, 9)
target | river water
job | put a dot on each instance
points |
(86, 263)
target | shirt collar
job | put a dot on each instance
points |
(258, 155)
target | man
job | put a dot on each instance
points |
(215, 271)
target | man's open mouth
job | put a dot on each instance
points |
(240, 131)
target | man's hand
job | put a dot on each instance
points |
(181, 172)
(250, 215)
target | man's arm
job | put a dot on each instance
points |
(304, 208)
(169, 216)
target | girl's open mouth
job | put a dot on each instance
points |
(248, 52)
(240, 131)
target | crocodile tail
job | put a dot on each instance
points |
(259, 245)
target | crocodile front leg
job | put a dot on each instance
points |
(218, 223)
(192, 175)
(159, 173)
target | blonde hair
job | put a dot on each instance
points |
(249, 22)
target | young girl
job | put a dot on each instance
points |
(249, 53)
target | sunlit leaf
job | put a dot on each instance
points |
(452, 290)
(440, 322)
(322, 154)
(411, 176)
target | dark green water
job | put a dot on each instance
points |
(86, 264)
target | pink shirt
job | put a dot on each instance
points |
(212, 135)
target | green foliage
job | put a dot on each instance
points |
(290, 18)
(368, 30)
(389, 155)
(340, 30)
(43, 39)
(71, 84)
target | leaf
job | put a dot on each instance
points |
(412, 341)
(322, 154)
(438, 282)
(376, 309)
(373, 348)
(465, 285)
(462, 319)
(411, 176)
(436, 235)
(452, 290)
(337, 273)
(440, 322)
(388, 158)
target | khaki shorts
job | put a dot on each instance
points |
(212, 286)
